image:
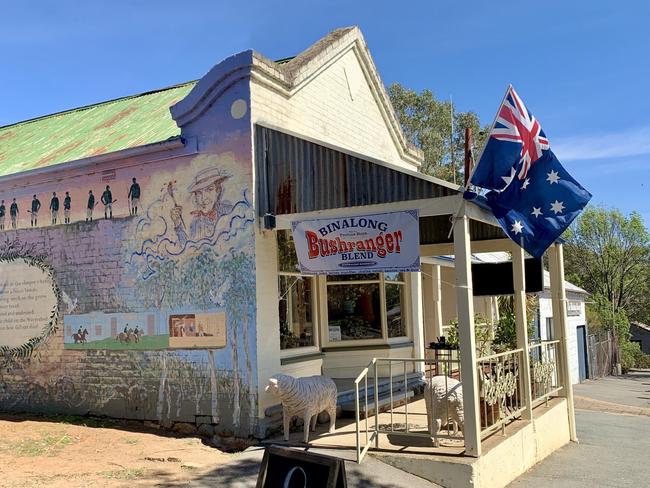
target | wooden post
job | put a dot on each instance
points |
(558, 298)
(521, 320)
(418, 319)
(437, 301)
(466, 335)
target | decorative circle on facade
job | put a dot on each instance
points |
(238, 108)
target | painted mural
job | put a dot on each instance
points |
(155, 265)
(29, 305)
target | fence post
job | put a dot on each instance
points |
(519, 279)
(465, 306)
(558, 293)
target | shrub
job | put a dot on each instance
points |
(483, 333)
(633, 357)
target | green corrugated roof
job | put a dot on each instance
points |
(89, 131)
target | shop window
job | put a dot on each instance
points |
(395, 300)
(296, 300)
(365, 307)
(296, 312)
(353, 311)
(360, 307)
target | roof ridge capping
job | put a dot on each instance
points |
(97, 104)
(290, 76)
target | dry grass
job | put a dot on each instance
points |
(45, 445)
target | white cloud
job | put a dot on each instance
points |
(632, 142)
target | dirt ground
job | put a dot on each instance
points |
(76, 452)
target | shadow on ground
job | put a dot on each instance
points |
(243, 470)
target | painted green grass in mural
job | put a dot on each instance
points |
(146, 342)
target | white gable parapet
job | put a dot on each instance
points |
(349, 109)
(209, 88)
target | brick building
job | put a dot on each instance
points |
(149, 321)
(163, 284)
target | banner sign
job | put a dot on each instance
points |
(362, 244)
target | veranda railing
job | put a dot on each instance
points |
(501, 398)
(400, 380)
(544, 378)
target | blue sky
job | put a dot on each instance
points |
(582, 67)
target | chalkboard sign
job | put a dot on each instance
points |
(288, 468)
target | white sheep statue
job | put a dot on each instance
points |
(305, 398)
(443, 397)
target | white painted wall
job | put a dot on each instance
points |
(449, 307)
(311, 367)
(349, 363)
(268, 317)
(337, 106)
(546, 311)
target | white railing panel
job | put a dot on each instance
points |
(393, 405)
(500, 389)
(544, 378)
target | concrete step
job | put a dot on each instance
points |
(383, 400)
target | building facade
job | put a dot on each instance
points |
(576, 324)
(640, 333)
(173, 303)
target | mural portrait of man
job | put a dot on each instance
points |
(207, 193)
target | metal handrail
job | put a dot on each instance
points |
(364, 372)
(363, 376)
(372, 433)
(496, 356)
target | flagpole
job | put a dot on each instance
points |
(451, 137)
(468, 179)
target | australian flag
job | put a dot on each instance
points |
(532, 196)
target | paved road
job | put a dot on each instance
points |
(613, 452)
(614, 448)
(632, 389)
(242, 473)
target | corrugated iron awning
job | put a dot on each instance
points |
(298, 176)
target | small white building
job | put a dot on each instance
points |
(576, 325)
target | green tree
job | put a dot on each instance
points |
(426, 122)
(608, 254)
